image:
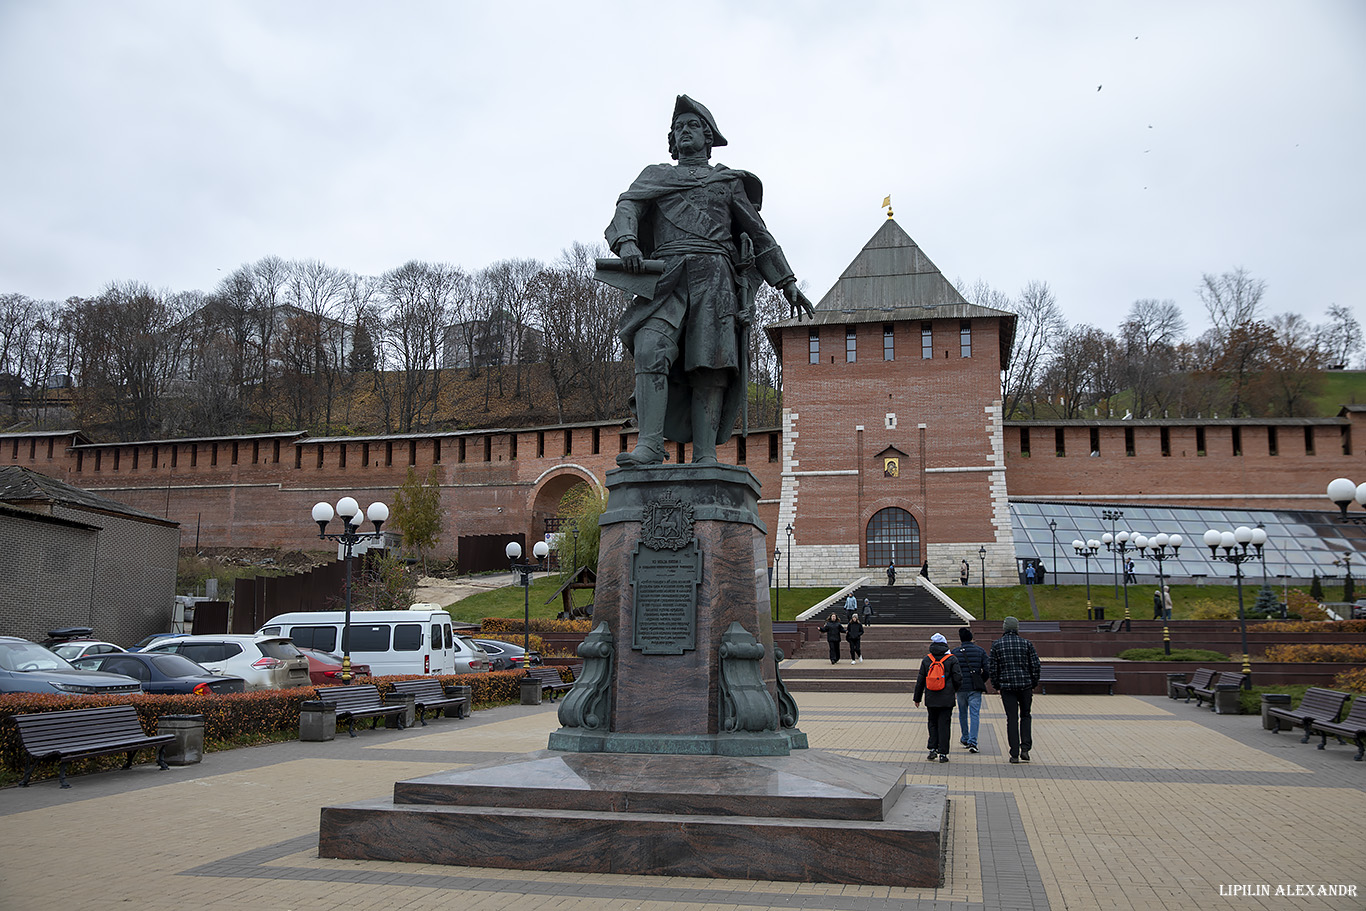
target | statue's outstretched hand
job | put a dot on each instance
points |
(631, 257)
(801, 305)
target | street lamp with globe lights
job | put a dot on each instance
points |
(514, 550)
(1120, 544)
(982, 556)
(1342, 491)
(348, 510)
(1087, 549)
(1156, 548)
(1112, 516)
(1234, 544)
(1053, 528)
(789, 556)
(777, 589)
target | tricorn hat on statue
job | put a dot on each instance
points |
(684, 104)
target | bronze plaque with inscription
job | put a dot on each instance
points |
(665, 598)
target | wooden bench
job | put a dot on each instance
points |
(1202, 678)
(1113, 626)
(1317, 706)
(1040, 626)
(1223, 678)
(83, 733)
(1353, 726)
(550, 679)
(360, 701)
(1077, 674)
(430, 694)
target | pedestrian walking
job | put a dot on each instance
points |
(1029, 574)
(891, 573)
(1158, 606)
(1013, 666)
(972, 658)
(1167, 602)
(938, 682)
(850, 606)
(833, 631)
(867, 611)
(925, 569)
(964, 571)
(853, 634)
(1129, 576)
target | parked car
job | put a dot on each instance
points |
(325, 668)
(27, 667)
(413, 641)
(506, 656)
(264, 662)
(469, 657)
(148, 640)
(163, 673)
(1359, 609)
(72, 649)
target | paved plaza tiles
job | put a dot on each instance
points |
(1130, 802)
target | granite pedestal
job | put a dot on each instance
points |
(679, 752)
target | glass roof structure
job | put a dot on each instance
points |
(1298, 543)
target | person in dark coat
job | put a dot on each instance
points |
(854, 633)
(973, 660)
(1013, 666)
(925, 569)
(891, 573)
(939, 703)
(833, 631)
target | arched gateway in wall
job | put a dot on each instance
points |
(893, 536)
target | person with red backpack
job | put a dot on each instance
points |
(937, 684)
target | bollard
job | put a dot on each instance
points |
(317, 721)
(1225, 701)
(188, 747)
(1273, 701)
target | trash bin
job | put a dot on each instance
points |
(405, 699)
(317, 721)
(1273, 701)
(1100, 612)
(1226, 699)
(531, 691)
(188, 747)
(466, 695)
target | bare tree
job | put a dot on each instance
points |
(417, 297)
(765, 367)
(1148, 340)
(319, 294)
(1231, 300)
(1294, 360)
(1341, 336)
(1069, 380)
(1039, 324)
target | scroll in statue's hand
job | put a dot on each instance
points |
(631, 257)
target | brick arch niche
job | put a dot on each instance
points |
(893, 534)
(546, 504)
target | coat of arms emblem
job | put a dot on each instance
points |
(668, 524)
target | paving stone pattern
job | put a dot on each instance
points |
(1130, 803)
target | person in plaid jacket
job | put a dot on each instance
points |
(1013, 666)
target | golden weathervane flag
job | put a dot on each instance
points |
(886, 202)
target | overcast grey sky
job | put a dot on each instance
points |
(1115, 150)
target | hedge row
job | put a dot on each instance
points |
(538, 625)
(1344, 652)
(537, 644)
(228, 718)
(1353, 681)
(1313, 626)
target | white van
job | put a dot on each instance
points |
(414, 641)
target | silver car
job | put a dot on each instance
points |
(470, 658)
(26, 667)
(264, 662)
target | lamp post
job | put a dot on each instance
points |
(1234, 544)
(513, 551)
(1112, 516)
(982, 556)
(777, 589)
(789, 556)
(575, 528)
(1155, 548)
(1121, 546)
(1342, 491)
(1349, 586)
(351, 535)
(1086, 550)
(1053, 527)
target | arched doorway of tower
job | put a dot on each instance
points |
(893, 537)
(545, 506)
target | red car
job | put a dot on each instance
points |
(325, 668)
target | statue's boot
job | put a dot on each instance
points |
(652, 398)
(706, 419)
